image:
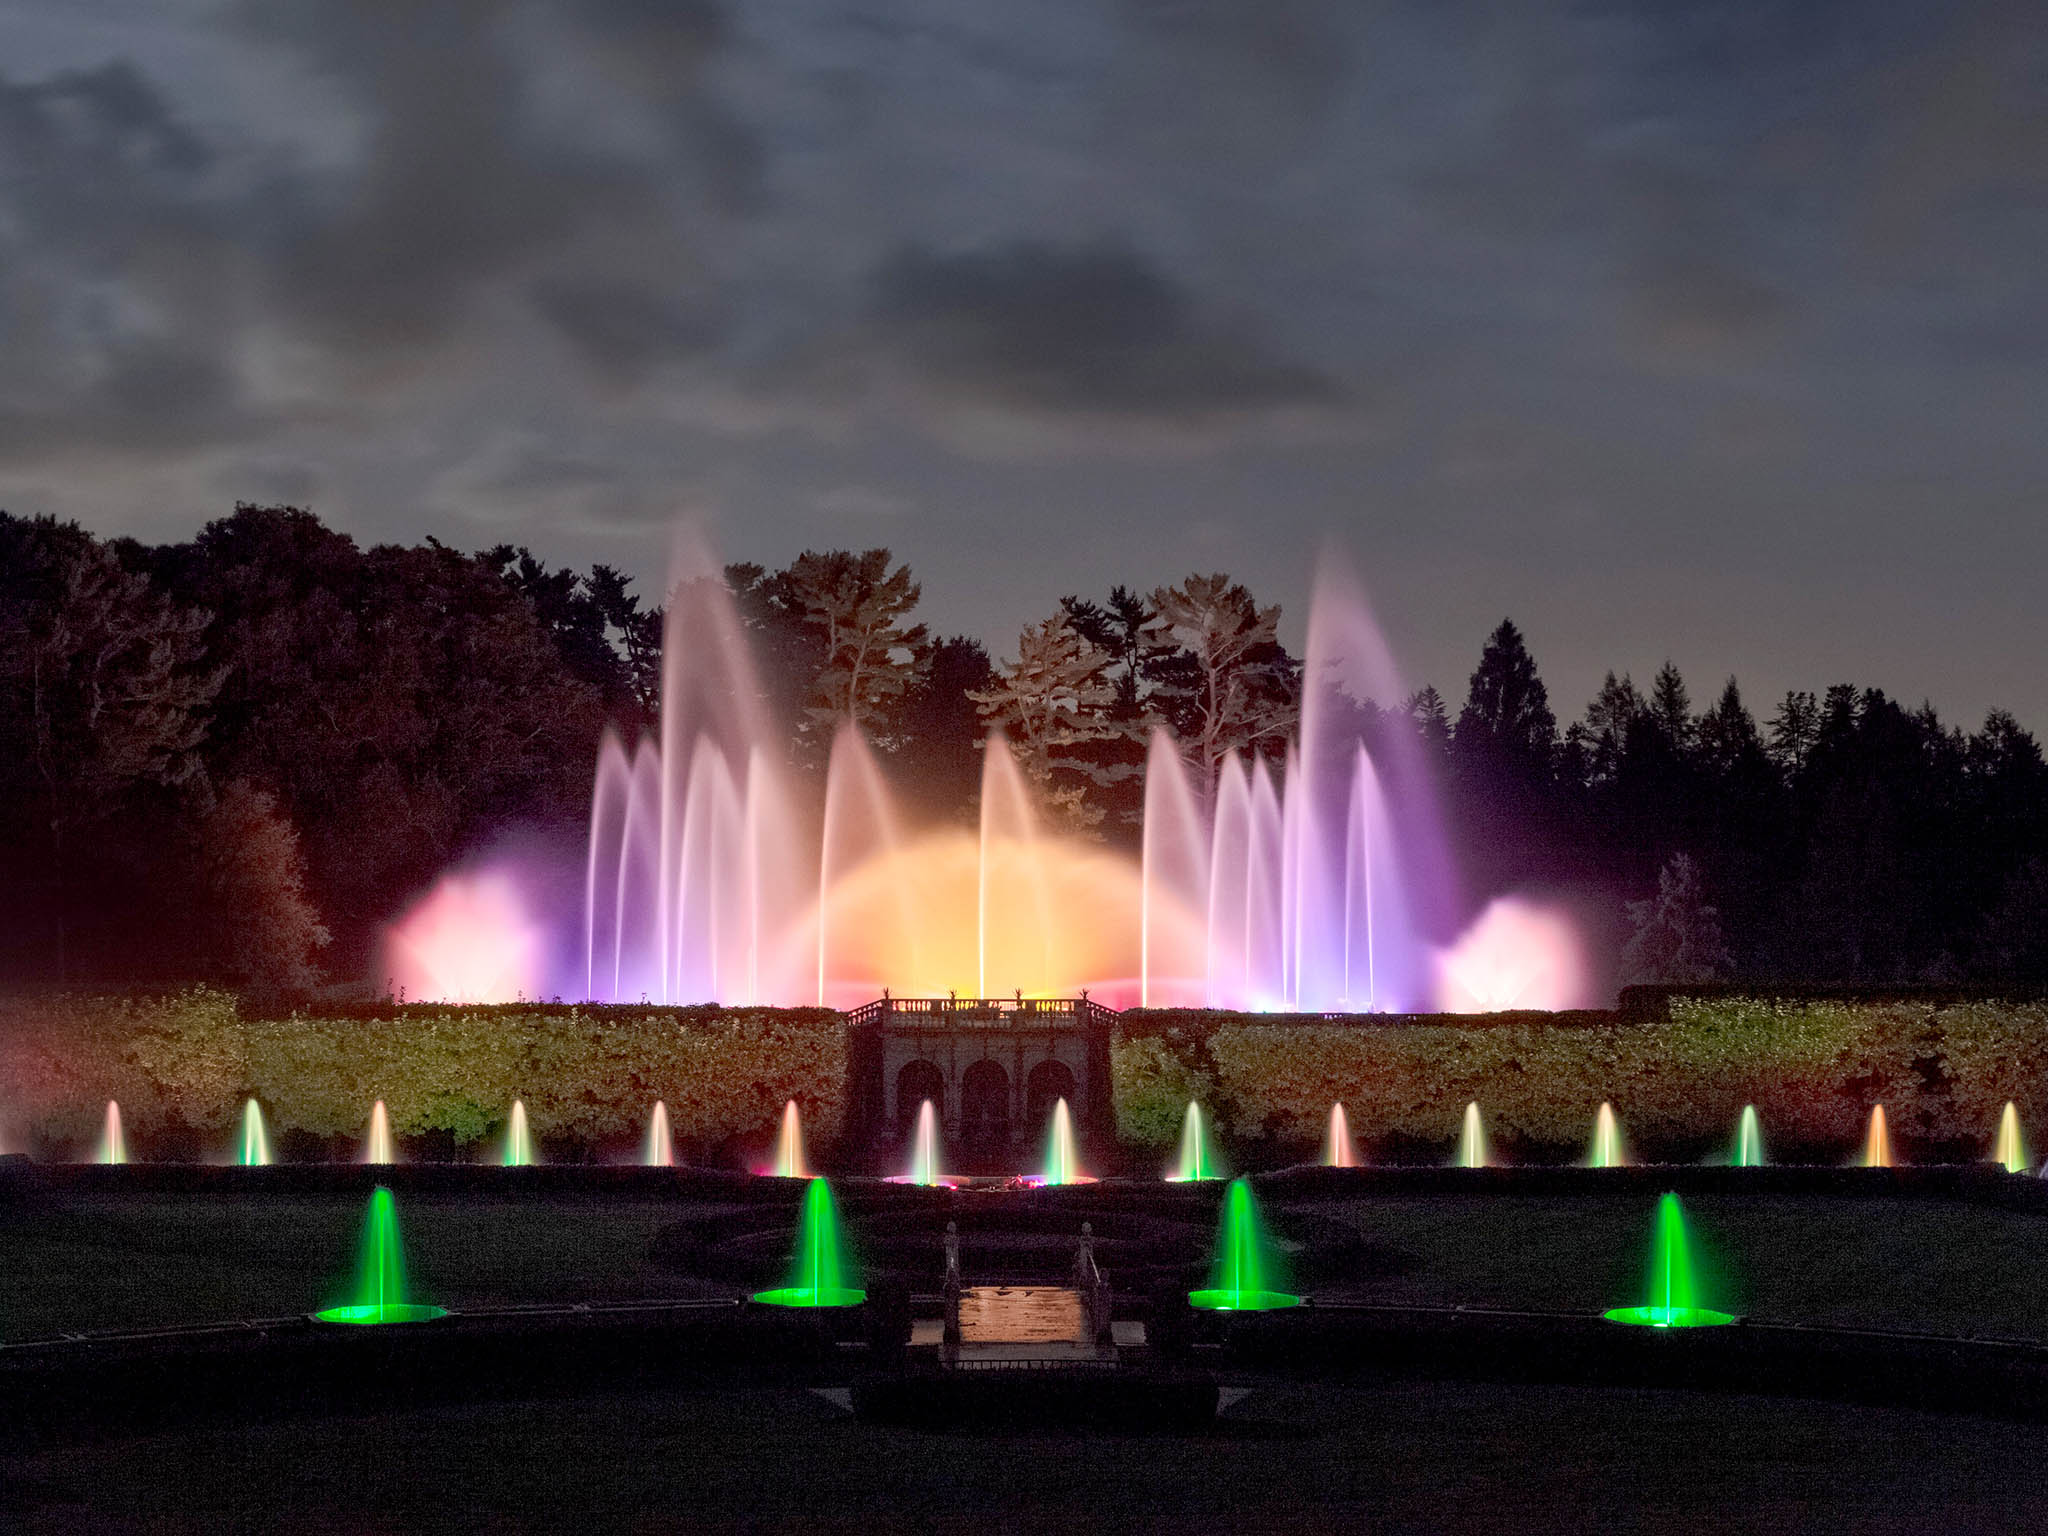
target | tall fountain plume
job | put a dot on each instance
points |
(1877, 1140)
(1062, 1152)
(1607, 1151)
(660, 1151)
(1338, 1152)
(1197, 1157)
(1749, 1139)
(253, 1149)
(789, 1145)
(2010, 1153)
(1471, 1139)
(113, 1146)
(924, 1147)
(377, 1146)
(519, 1148)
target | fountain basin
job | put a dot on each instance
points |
(1669, 1317)
(1242, 1301)
(809, 1296)
(376, 1315)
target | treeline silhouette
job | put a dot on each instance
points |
(237, 758)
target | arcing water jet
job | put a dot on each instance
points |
(113, 1146)
(660, 1151)
(254, 1150)
(380, 1295)
(377, 1146)
(1471, 1140)
(789, 1145)
(1672, 1301)
(1247, 1275)
(818, 1278)
(1749, 1139)
(1197, 1157)
(2011, 1150)
(519, 1148)
(1338, 1152)
(1607, 1151)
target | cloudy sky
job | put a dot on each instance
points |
(1716, 331)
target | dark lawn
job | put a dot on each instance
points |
(1409, 1457)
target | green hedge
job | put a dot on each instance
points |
(585, 1074)
(1813, 1069)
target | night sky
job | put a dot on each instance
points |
(1709, 331)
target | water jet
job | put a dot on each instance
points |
(1247, 1276)
(1338, 1152)
(254, 1151)
(818, 1278)
(380, 1274)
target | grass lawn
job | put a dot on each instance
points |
(101, 1260)
(1407, 1457)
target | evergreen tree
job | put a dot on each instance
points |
(1794, 731)
(1671, 707)
(1677, 934)
(1052, 703)
(1613, 711)
(1232, 687)
(1507, 720)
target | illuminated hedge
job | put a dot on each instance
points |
(585, 1074)
(1813, 1068)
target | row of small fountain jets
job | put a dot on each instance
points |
(1197, 1157)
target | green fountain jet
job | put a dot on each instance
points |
(2011, 1151)
(255, 1149)
(1673, 1302)
(818, 1280)
(380, 1274)
(1749, 1140)
(1197, 1157)
(1247, 1277)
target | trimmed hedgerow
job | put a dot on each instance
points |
(586, 1075)
(1813, 1069)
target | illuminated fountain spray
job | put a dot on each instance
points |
(1247, 1274)
(1338, 1152)
(519, 1150)
(113, 1146)
(1877, 1141)
(789, 1145)
(1607, 1151)
(380, 1295)
(254, 1151)
(924, 1148)
(1197, 1156)
(1471, 1140)
(1749, 1140)
(2011, 1150)
(1313, 878)
(377, 1146)
(1062, 1154)
(818, 1278)
(660, 1151)
(1673, 1301)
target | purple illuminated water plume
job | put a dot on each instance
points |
(1315, 879)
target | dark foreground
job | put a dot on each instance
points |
(1402, 1457)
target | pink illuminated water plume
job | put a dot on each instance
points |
(468, 940)
(1517, 955)
(1313, 879)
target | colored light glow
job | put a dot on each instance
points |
(1749, 1139)
(1338, 1151)
(789, 1145)
(519, 1148)
(1246, 1276)
(1518, 954)
(1877, 1140)
(254, 1151)
(1672, 1301)
(1471, 1140)
(924, 1152)
(1607, 1151)
(378, 1147)
(1197, 1156)
(380, 1274)
(819, 1278)
(2011, 1150)
(113, 1147)
(468, 940)
(660, 1151)
(1062, 1155)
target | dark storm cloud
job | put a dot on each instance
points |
(1080, 329)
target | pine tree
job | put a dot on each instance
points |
(1052, 703)
(1671, 707)
(1614, 709)
(1233, 688)
(1507, 716)
(1727, 735)
(869, 656)
(1794, 730)
(1677, 934)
